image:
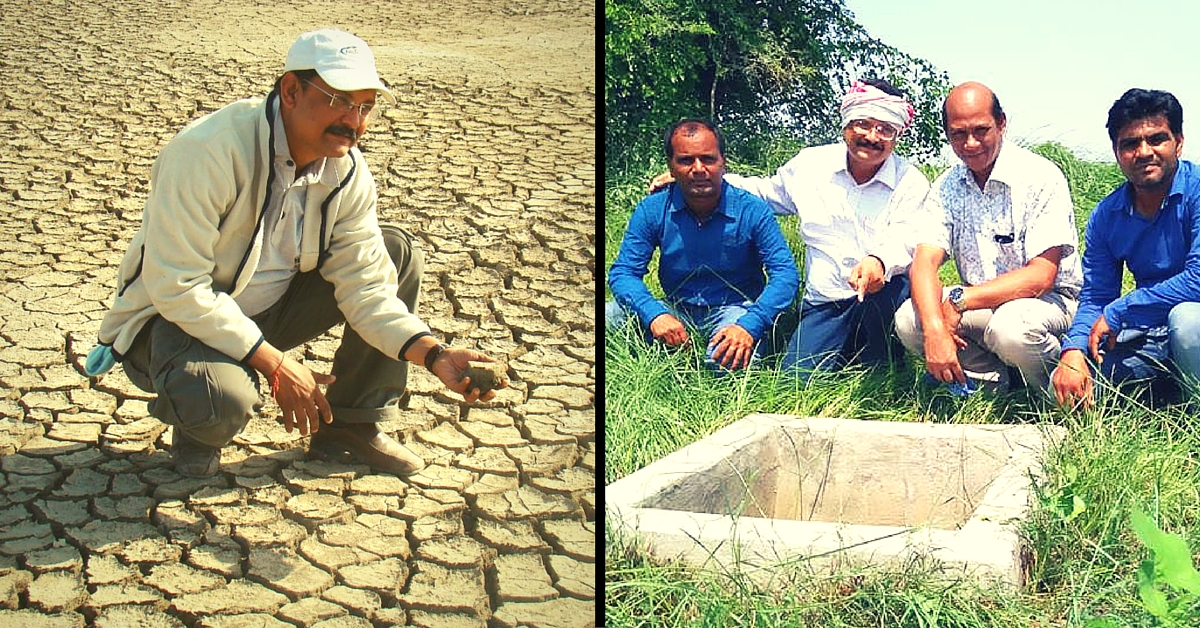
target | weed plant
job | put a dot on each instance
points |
(1091, 566)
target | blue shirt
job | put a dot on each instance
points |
(1162, 253)
(719, 262)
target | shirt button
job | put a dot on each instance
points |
(290, 162)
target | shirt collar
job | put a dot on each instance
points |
(888, 173)
(1001, 169)
(677, 202)
(1004, 166)
(1183, 172)
(1178, 182)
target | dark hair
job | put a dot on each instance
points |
(690, 126)
(884, 87)
(303, 75)
(1138, 104)
(997, 112)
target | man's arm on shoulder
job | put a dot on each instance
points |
(772, 189)
(783, 279)
(633, 262)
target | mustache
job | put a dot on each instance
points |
(864, 143)
(344, 131)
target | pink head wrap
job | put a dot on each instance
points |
(868, 101)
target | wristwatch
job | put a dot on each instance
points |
(433, 354)
(958, 299)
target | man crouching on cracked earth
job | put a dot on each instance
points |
(258, 235)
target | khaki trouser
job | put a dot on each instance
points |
(1023, 333)
(211, 396)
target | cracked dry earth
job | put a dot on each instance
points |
(489, 158)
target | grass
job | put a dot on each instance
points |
(1120, 456)
(642, 594)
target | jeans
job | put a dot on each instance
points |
(836, 333)
(1172, 350)
(706, 320)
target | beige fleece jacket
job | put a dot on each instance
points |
(201, 238)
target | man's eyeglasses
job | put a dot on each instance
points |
(959, 136)
(884, 130)
(339, 102)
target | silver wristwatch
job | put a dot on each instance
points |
(958, 299)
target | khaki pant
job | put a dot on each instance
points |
(211, 396)
(1023, 333)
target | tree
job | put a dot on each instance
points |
(763, 70)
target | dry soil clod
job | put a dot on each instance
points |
(485, 375)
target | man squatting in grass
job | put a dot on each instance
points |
(715, 242)
(857, 202)
(1151, 225)
(259, 234)
(1005, 215)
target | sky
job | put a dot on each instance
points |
(1057, 65)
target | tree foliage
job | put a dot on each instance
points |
(764, 70)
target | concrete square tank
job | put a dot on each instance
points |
(775, 488)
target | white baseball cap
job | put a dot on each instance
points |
(340, 59)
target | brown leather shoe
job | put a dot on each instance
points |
(371, 446)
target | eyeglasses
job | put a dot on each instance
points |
(339, 102)
(884, 130)
(959, 136)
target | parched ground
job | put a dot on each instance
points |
(489, 157)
